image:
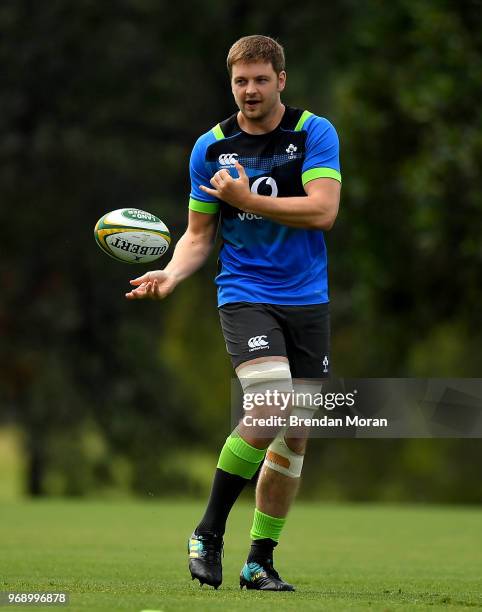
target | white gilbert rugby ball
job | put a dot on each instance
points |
(132, 235)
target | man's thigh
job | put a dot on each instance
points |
(306, 330)
(251, 331)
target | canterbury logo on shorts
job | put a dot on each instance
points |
(258, 342)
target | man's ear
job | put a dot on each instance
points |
(281, 80)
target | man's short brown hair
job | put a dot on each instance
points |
(257, 48)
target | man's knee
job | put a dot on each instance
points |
(267, 391)
(286, 453)
(296, 444)
(281, 458)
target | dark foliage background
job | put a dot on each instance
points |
(100, 104)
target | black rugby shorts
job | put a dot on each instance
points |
(300, 333)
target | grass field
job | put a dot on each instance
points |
(132, 556)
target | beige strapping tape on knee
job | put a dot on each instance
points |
(281, 458)
(264, 372)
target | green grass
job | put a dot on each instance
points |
(132, 556)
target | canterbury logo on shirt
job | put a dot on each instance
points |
(228, 159)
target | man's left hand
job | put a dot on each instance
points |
(233, 191)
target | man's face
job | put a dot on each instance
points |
(256, 88)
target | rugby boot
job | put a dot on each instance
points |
(262, 577)
(205, 550)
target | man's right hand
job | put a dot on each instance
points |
(155, 285)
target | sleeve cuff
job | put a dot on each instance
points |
(210, 208)
(315, 173)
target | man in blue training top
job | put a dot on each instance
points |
(271, 173)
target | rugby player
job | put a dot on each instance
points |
(271, 173)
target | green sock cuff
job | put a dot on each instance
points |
(266, 526)
(240, 458)
(245, 451)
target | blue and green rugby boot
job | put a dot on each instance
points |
(262, 577)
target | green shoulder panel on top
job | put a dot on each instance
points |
(315, 173)
(210, 208)
(218, 132)
(301, 121)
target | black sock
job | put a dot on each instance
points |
(262, 551)
(225, 491)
